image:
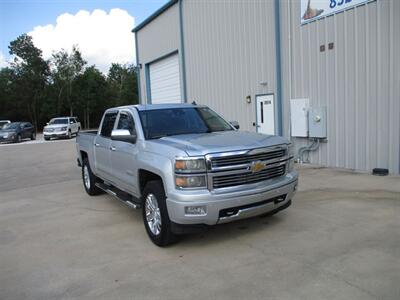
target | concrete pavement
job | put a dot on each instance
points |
(339, 240)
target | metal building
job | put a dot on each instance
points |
(325, 71)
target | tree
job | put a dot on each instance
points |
(91, 96)
(31, 74)
(67, 68)
(122, 80)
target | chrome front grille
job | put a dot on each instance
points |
(236, 168)
(248, 177)
(246, 159)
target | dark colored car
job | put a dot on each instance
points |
(17, 131)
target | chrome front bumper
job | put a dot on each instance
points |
(55, 134)
(241, 204)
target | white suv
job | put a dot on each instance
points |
(61, 127)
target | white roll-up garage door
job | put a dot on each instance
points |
(165, 84)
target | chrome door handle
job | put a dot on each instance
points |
(112, 148)
(96, 144)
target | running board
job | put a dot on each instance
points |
(125, 198)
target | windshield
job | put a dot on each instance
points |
(173, 121)
(11, 126)
(58, 121)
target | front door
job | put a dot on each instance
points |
(265, 110)
(124, 156)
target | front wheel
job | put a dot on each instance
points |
(69, 134)
(155, 214)
(89, 179)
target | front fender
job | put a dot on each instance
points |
(159, 165)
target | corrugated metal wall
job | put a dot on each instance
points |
(229, 51)
(358, 81)
(157, 39)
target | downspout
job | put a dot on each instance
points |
(278, 66)
(138, 70)
(182, 51)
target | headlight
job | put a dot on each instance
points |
(63, 128)
(190, 181)
(6, 135)
(291, 150)
(190, 165)
(291, 157)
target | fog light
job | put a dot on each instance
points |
(195, 210)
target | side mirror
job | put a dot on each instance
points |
(71, 122)
(47, 123)
(123, 135)
(235, 124)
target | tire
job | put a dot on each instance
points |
(89, 179)
(69, 134)
(33, 136)
(18, 139)
(47, 139)
(155, 214)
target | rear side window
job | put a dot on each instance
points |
(108, 124)
(126, 122)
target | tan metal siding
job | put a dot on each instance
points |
(158, 38)
(229, 50)
(358, 81)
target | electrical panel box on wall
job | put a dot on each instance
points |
(317, 122)
(299, 117)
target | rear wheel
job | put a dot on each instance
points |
(89, 179)
(155, 214)
(18, 139)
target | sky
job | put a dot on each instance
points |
(101, 29)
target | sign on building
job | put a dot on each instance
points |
(315, 9)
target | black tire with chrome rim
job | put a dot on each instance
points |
(89, 179)
(155, 214)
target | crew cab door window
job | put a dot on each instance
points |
(126, 122)
(108, 124)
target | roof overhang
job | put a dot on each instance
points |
(155, 15)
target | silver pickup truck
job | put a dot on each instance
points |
(186, 166)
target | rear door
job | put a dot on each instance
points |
(124, 156)
(102, 144)
(27, 130)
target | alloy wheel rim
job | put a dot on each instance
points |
(153, 214)
(86, 177)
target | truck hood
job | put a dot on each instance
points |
(224, 141)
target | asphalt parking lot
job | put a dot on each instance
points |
(339, 240)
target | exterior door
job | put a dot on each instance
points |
(164, 78)
(102, 146)
(123, 156)
(265, 109)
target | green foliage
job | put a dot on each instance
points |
(33, 89)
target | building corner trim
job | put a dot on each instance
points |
(278, 66)
(137, 70)
(182, 51)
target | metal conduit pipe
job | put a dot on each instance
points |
(314, 146)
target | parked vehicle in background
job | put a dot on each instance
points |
(17, 131)
(4, 122)
(64, 127)
(186, 166)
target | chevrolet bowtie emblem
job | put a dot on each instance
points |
(256, 166)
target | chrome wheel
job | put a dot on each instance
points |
(86, 177)
(69, 134)
(153, 215)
